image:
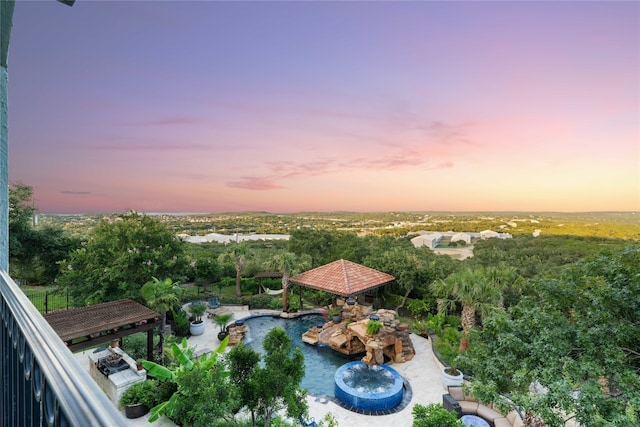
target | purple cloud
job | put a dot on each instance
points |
(75, 193)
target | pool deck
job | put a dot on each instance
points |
(422, 373)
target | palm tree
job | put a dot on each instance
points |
(161, 296)
(238, 253)
(289, 265)
(474, 290)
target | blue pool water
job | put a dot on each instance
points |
(368, 388)
(320, 362)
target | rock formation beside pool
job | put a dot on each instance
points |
(350, 337)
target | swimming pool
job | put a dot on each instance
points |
(320, 362)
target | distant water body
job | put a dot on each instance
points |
(225, 238)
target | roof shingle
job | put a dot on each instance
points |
(343, 278)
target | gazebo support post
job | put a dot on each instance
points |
(150, 345)
(301, 306)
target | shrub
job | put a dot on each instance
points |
(434, 415)
(420, 327)
(373, 327)
(181, 323)
(294, 303)
(136, 345)
(275, 304)
(259, 301)
(145, 393)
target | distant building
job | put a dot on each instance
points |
(488, 234)
(461, 237)
(430, 240)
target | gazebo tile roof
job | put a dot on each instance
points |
(343, 278)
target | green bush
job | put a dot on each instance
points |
(145, 393)
(373, 327)
(275, 304)
(294, 303)
(181, 323)
(434, 415)
(136, 345)
(259, 301)
(420, 327)
(453, 321)
(420, 307)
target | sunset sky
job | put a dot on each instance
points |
(203, 106)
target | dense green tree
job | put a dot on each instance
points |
(206, 270)
(238, 254)
(316, 244)
(289, 265)
(34, 253)
(413, 268)
(575, 342)
(120, 255)
(161, 296)
(242, 362)
(273, 385)
(21, 210)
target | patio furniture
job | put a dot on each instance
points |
(213, 302)
(465, 404)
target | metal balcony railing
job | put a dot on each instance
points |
(41, 383)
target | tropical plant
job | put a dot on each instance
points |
(238, 253)
(162, 296)
(197, 309)
(474, 291)
(435, 322)
(434, 415)
(289, 265)
(222, 320)
(180, 322)
(203, 393)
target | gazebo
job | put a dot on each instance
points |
(88, 326)
(343, 278)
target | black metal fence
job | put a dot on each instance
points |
(46, 302)
(41, 383)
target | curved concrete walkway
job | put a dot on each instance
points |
(422, 373)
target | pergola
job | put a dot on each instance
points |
(343, 278)
(267, 275)
(84, 327)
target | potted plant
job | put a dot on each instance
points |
(222, 320)
(451, 375)
(197, 326)
(334, 314)
(138, 398)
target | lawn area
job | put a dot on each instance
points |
(46, 299)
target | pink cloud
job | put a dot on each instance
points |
(255, 183)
